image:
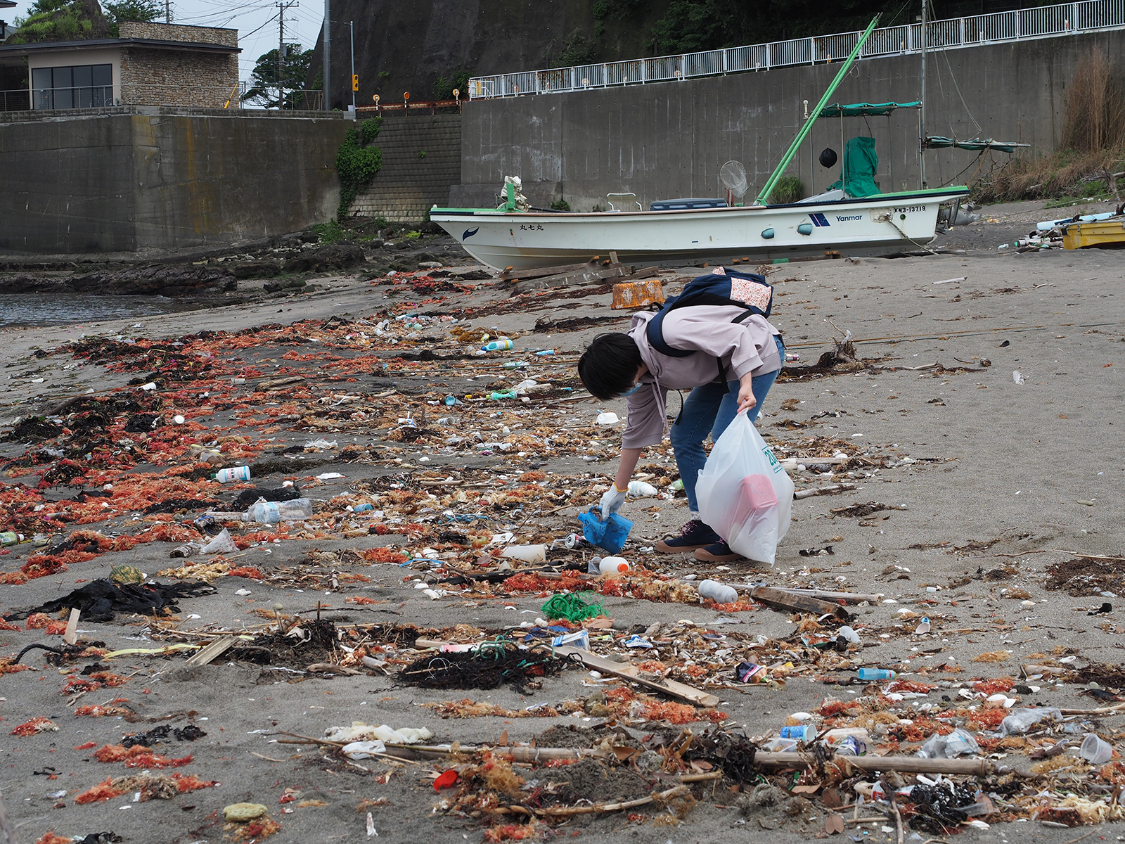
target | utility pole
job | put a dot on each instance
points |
(327, 53)
(167, 11)
(922, 110)
(281, 51)
(351, 28)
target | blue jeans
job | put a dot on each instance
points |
(709, 410)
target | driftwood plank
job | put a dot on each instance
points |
(630, 672)
(796, 602)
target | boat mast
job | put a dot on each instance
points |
(771, 183)
(922, 110)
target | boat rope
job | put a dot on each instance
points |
(923, 247)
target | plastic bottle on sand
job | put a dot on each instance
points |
(613, 565)
(234, 473)
(272, 512)
(720, 593)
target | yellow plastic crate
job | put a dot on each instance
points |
(1104, 233)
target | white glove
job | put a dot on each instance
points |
(612, 500)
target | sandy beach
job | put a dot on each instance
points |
(977, 422)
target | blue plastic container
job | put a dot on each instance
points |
(610, 534)
(876, 674)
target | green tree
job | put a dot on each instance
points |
(294, 72)
(62, 20)
(144, 11)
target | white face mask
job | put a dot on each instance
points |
(630, 392)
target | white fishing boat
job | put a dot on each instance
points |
(876, 225)
(520, 237)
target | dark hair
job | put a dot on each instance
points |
(609, 365)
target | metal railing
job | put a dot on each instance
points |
(1041, 22)
(101, 97)
(89, 96)
(18, 99)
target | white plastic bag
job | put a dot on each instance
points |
(744, 493)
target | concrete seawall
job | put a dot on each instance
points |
(670, 139)
(136, 179)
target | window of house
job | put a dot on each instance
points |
(78, 86)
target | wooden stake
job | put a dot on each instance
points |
(212, 651)
(823, 490)
(597, 808)
(71, 634)
(630, 672)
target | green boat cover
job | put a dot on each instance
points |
(976, 144)
(864, 109)
(857, 175)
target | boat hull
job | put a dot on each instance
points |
(877, 225)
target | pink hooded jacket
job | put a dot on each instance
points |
(707, 329)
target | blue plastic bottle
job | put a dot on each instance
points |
(876, 674)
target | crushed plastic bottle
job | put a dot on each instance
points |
(1022, 720)
(639, 489)
(271, 512)
(957, 743)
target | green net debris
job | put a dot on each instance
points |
(864, 109)
(572, 607)
(975, 145)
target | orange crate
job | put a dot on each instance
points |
(637, 294)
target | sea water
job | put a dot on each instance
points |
(34, 309)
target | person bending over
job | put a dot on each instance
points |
(750, 354)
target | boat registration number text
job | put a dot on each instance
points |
(531, 227)
(910, 209)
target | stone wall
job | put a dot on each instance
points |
(139, 179)
(421, 161)
(178, 78)
(176, 32)
(200, 79)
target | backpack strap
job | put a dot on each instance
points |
(654, 332)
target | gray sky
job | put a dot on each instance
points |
(256, 22)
